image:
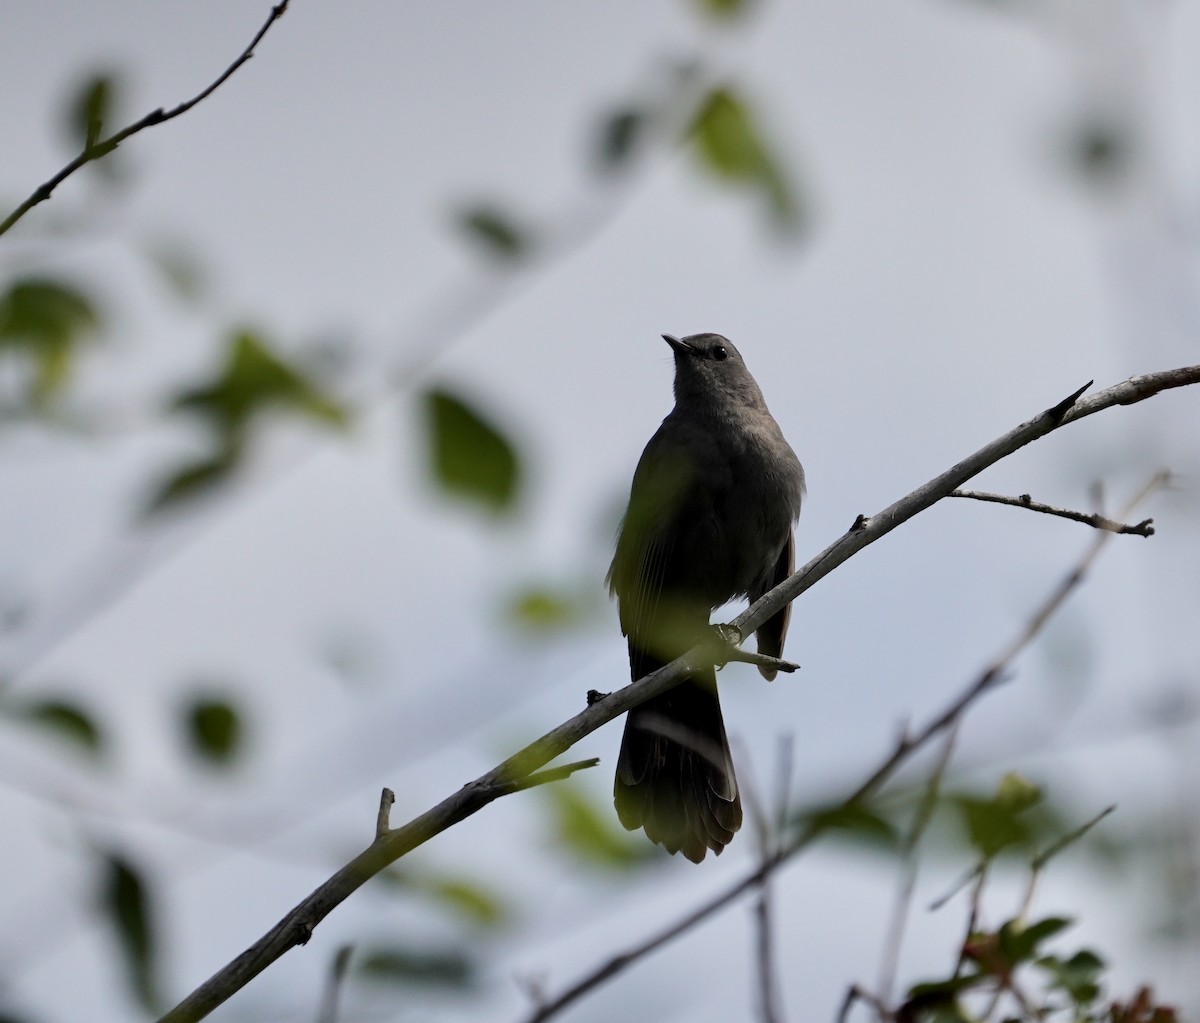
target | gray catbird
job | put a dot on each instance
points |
(710, 519)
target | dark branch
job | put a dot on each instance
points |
(1143, 528)
(97, 148)
(297, 926)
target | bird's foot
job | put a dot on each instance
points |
(726, 640)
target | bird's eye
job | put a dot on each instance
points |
(720, 353)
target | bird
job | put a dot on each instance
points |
(710, 518)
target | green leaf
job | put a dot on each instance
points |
(996, 824)
(1020, 942)
(1100, 151)
(542, 609)
(723, 9)
(1017, 794)
(91, 110)
(1078, 977)
(254, 379)
(590, 833)
(124, 899)
(618, 137)
(191, 481)
(65, 719)
(729, 144)
(213, 727)
(448, 968)
(468, 899)
(991, 827)
(494, 232)
(938, 1001)
(44, 320)
(468, 455)
(855, 823)
(179, 267)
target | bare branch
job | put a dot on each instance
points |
(906, 746)
(866, 530)
(770, 1003)
(1097, 521)
(1047, 854)
(296, 928)
(854, 993)
(908, 882)
(96, 148)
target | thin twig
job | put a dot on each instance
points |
(769, 1005)
(854, 993)
(1095, 520)
(908, 882)
(94, 149)
(544, 777)
(1038, 863)
(297, 926)
(1047, 854)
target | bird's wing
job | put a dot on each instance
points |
(773, 631)
(663, 492)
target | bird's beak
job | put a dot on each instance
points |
(681, 347)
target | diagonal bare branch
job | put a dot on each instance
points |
(297, 926)
(948, 719)
(97, 148)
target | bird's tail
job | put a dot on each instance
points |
(675, 773)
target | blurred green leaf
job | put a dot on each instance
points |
(998, 823)
(855, 823)
(468, 455)
(44, 320)
(63, 718)
(191, 481)
(723, 9)
(542, 609)
(1101, 151)
(990, 826)
(254, 379)
(124, 900)
(91, 110)
(938, 1001)
(590, 832)
(1020, 942)
(449, 968)
(494, 232)
(619, 135)
(1017, 793)
(179, 267)
(471, 900)
(729, 143)
(213, 727)
(1078, 977)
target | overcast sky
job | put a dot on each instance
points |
(958, 271)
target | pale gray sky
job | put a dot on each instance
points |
(958, 277)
